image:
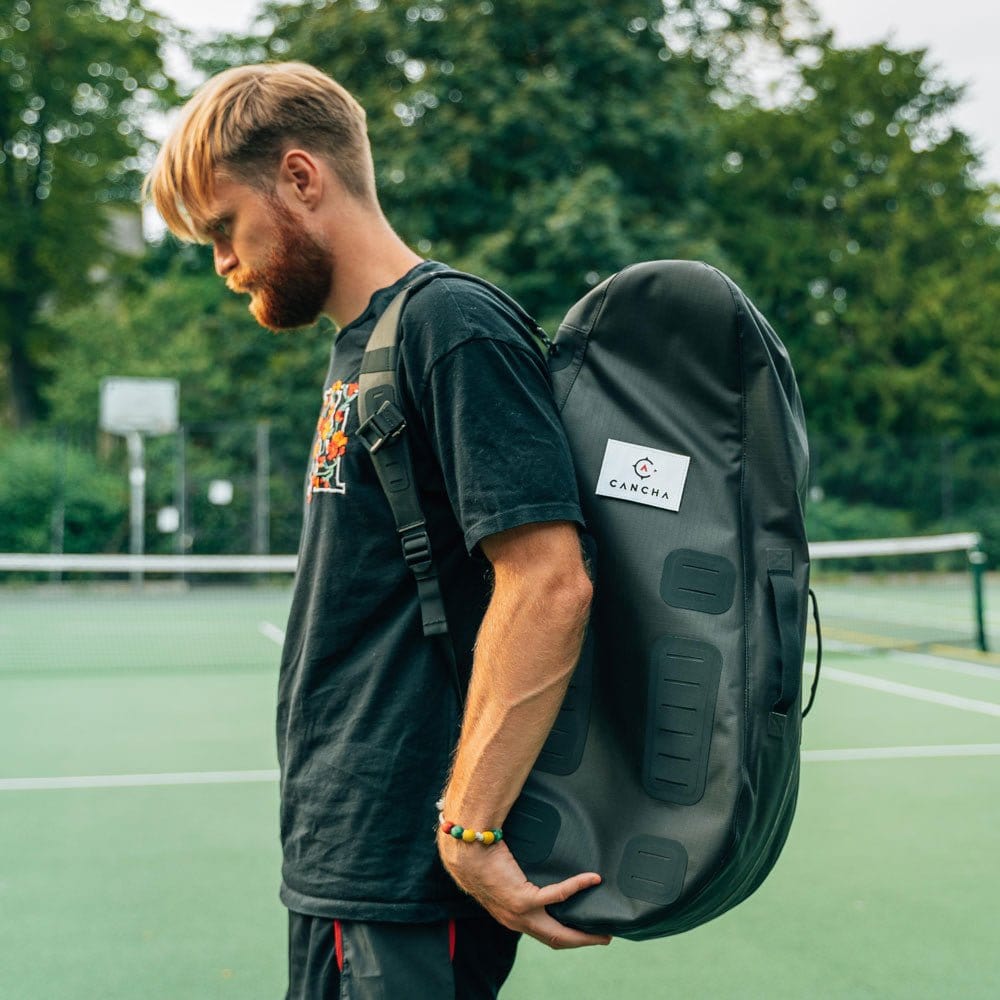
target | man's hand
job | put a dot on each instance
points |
(493, 877)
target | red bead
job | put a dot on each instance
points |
(447, 827)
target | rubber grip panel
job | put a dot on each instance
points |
(683, 687)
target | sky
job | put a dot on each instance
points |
(960, 36)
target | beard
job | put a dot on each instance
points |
(293, 284)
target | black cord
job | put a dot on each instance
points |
(819, 653)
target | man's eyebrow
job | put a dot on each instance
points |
(216, 223)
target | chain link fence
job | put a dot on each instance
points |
(237, 487)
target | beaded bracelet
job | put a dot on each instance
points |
(485, 837)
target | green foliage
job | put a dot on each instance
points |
(51, 490)
(855, 218)
(77, 81)
(836, 520)
(544, 144)
(184, 324)
(175, 319)
(982, 516)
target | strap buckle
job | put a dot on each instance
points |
(417, 553)
(417, 549)
(382, 427)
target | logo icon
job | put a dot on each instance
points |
(644, 468)
(641, 474)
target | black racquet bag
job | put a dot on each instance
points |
(673, 765)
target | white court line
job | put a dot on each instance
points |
(896, 753)
(136, 780)
(908, 691)
(831, 673)
(949, 665)
(271, 632)
(242, 777)
(931, 660)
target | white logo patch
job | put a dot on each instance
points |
(643, 475)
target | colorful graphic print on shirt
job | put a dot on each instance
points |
(331, 439)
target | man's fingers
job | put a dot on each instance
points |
(549, 931)
(562, 891)
(518, 904)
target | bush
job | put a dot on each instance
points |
(983, 517)
(834, 520)
(47, 486)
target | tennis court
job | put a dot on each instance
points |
(138, 813)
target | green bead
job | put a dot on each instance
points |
(456, 832)
(498, 834)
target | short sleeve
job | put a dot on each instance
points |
(491, 418)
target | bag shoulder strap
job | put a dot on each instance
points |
(386, 332)
(382, 427)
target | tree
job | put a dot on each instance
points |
(546, 156)
(857, 220)
(76, 81)
(173, 318)
(545, 145)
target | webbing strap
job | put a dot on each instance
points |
(383, 431)
(499, 293)
(786, 606)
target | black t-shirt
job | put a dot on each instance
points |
(368, 713)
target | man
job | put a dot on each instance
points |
(272, 165)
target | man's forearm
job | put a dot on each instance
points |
(527, 648)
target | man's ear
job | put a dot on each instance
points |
(302, 177)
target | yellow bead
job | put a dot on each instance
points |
(469, 836)
(488, 837)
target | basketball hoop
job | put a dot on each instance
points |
(132, 407)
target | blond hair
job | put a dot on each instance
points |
(240, 122)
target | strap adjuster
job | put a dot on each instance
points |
(417, 549)
(382, 427)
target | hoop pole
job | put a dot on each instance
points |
(137, 489)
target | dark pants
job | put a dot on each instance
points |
(466, 959)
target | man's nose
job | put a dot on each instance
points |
(225, 260)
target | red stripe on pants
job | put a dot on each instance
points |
(338, 944)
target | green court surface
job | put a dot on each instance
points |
(138, 821)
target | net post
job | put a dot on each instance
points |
(977, 566)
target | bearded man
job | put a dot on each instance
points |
(272, 165)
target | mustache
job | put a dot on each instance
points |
(240, 281)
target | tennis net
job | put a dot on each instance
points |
(103, 614)
(926, 593)
(66, 613)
